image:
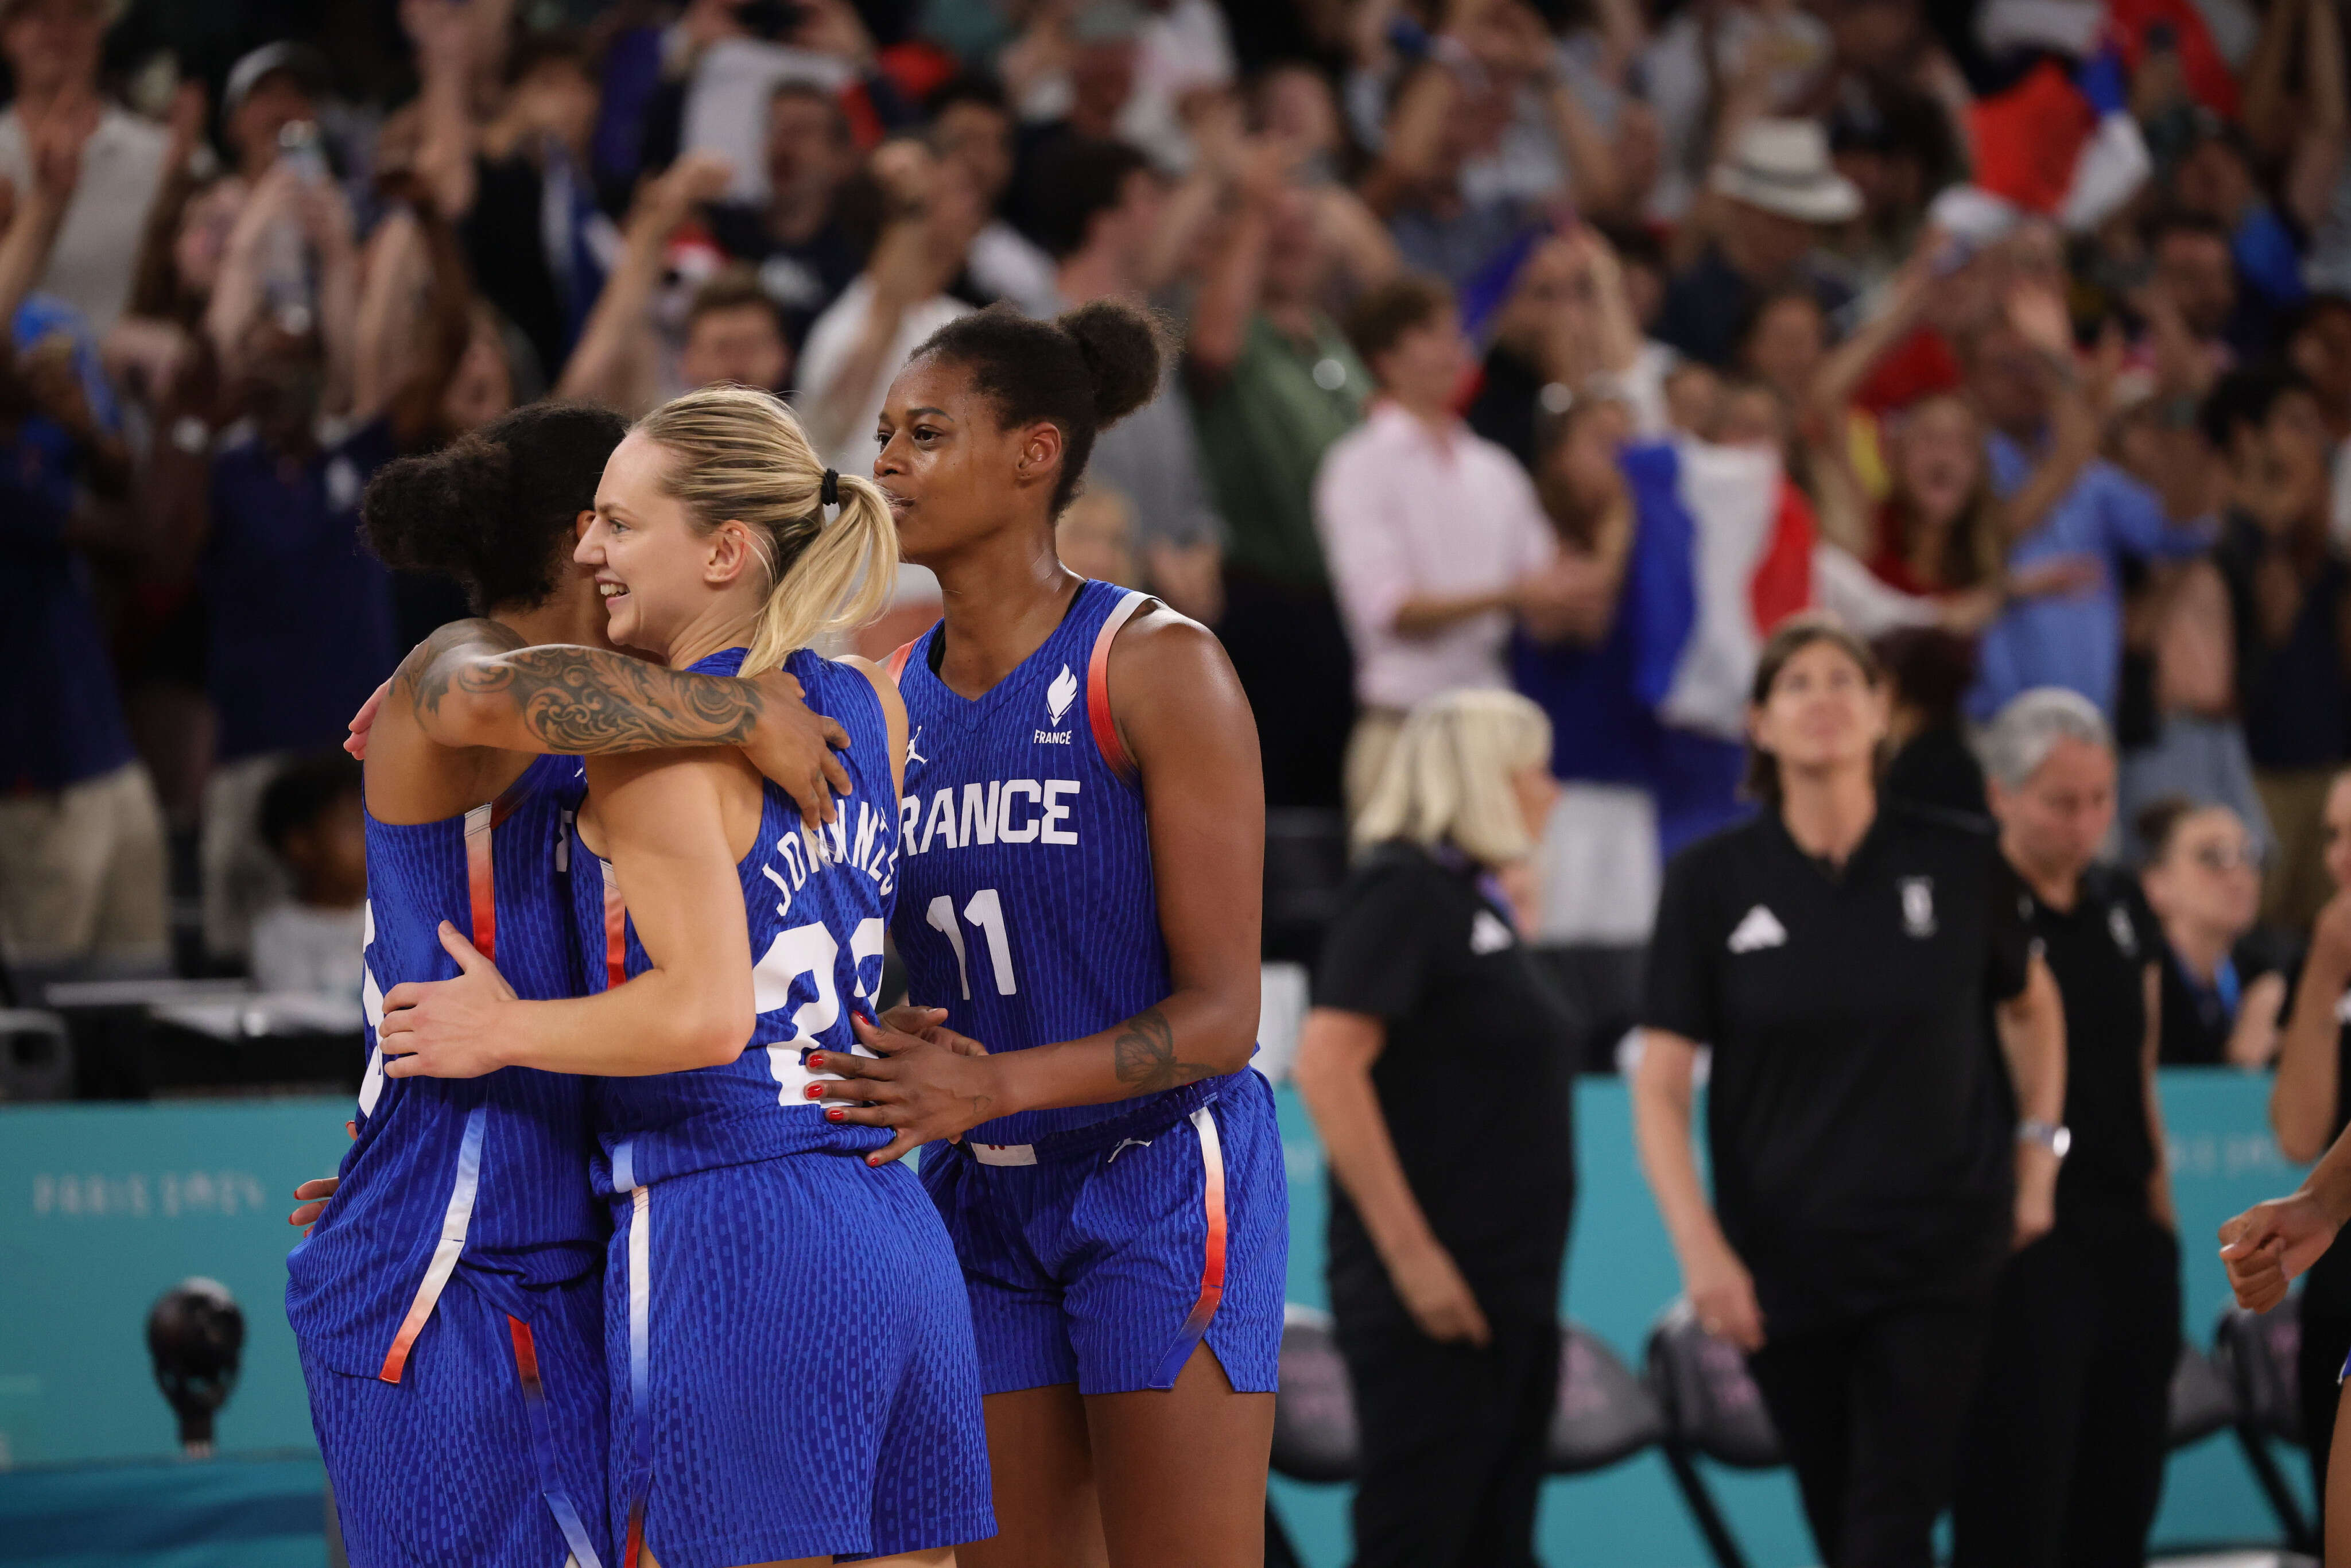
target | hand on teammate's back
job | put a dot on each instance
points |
(929, 1023)
(794, 747)
(445, 1029)
(924, 1088)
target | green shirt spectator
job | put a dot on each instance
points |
(1263, 428)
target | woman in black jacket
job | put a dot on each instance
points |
(1846, 964)
(1447, 1229)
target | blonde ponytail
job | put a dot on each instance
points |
(740, 454)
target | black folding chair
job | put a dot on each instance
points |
(1314, 1433)
(2256, 1354)
(1604, 1415)
(2202, 1403)
(1713, 1409)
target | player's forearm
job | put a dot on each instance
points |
(659, 1021)
(1190, 1036)
(581, 702)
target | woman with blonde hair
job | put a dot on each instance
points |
(1447, 1301)
(794, 1377)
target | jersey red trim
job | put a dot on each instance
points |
(1097, 714)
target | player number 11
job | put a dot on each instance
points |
(985, 911)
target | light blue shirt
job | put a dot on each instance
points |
(2073, 641)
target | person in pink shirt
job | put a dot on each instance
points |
(1434, 536)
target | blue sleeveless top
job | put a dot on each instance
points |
(487, 1175)
(818, 904)
(1027, 906)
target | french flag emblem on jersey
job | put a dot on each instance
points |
(1727, 548)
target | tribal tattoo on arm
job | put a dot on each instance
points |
(574, 700)
(1145, 1054)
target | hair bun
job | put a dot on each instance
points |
(1119, 345)
(422, 513)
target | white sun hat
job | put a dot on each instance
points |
(1782, 166)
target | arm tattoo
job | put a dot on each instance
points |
(586, 701)
(1145, 1053)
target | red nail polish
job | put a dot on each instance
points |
(834, 1113)
(816, 1061)
(815, 1092)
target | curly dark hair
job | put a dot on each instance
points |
(495, 508)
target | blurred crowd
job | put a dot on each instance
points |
(1566, 345)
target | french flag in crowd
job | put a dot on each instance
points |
(2060, 144)
(1724, 553)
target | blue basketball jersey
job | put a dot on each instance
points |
(489, 1173)
(1026, 906)
(818, 903)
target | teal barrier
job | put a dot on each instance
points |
(103, 1207)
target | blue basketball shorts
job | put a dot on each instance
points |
(489, 1450)
(1103, 1260)
(792, 1368)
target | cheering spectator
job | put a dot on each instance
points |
(804, 253)
(519, 186)
(1110, 227)
(2290, 619)
(733, 336)
(1450, 108)
(2062, 502)
(1566, 327)
(81, 840)
(900, 298)
(276, 85)
(2222, 994)
(1273, 384)
(53, 47)
(971, 132)
(1434, 536)
(617, 363)
(1778, 194)
(312, 820)
(1446, 1302)
(300, 623)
